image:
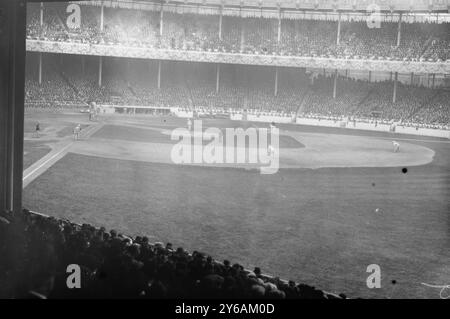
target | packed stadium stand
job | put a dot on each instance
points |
(67, 80)
(193, 85)
(419, 41)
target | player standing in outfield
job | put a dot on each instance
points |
(37, 130)
(396, 146)
(76, 132)
(189, 124)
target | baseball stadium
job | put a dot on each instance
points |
(358, 92)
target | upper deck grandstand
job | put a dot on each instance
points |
(401, 36)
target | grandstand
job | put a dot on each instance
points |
(337, 86)
(402, 37)
(193, 85)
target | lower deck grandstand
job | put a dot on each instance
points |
(73, 80)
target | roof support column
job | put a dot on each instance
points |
(279, 25)
(338, 36)
(161, 20)
(335, 83)
(394, 96)
(276, 81)
(41, 13)
(218, 78)
(40, 69)
(100, 71)
(159, 73)
(220, 22)
(399, 32)
(102, 17)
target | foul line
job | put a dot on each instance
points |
(87, 133)
(47, 161)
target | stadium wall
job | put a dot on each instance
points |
(378, 127)
(286, 119)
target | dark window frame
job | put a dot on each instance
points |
(12, 91)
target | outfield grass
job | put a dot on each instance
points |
(316, 226)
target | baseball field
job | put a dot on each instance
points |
(340, 201)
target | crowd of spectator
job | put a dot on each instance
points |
(409, 100)
(320, 101)
(73, 80)
(434, 113)
(36, 251)
(312, 38)
(182, 84)
(53, 91)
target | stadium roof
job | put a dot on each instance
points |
(343, 5)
